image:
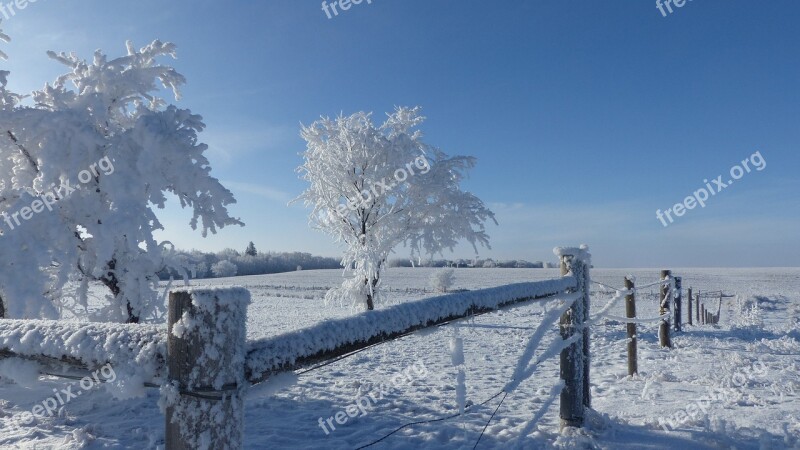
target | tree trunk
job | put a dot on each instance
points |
(370, 301)
(112, 283)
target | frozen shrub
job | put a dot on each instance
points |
(747, 314)
(442, 280)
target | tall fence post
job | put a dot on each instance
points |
(205, 368)
(630, 312)
(666, 300)
(689, 304)
(678, 303)
(703, 314)
(698, 308)
(575, 360)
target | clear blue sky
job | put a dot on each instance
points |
(586, 117)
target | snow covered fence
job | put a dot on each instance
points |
(137, 350)
(201, 355)
(705, 315)
(334, 338)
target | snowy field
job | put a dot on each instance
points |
(733, 385)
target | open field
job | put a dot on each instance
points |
(742, 374)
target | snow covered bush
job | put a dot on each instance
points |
(747, 314)
(442, 280)
(373, 188)
(94, 156)
(224, 269)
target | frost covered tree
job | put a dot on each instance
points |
(82, 168)
(376, 187)
(224, 269)
(251, 249)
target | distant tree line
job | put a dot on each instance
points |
(230, 262)
(472, 263)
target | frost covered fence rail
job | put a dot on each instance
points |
(335, 338)
(332, 340)
(138, 349)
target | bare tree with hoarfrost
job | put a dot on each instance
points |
(93, 156)
(376, 187)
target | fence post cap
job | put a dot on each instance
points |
(205, 296)
(581, 253)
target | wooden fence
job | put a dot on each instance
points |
(203, 364)
(206, 329)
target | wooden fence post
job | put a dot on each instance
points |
(205, 366)
(585, 289)
(574, 359)
(689, 304)
(698, 308)
(703, 314)
(678, 300)
(630, 312)
(665, 303)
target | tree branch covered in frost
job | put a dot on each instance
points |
(375, 187)
(101, 227)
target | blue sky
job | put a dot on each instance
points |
(586, 117)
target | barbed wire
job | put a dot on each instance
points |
(440, 419)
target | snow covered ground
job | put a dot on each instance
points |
(734, 385)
